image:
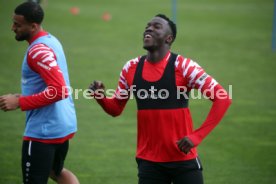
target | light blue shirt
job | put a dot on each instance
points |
(58, 119)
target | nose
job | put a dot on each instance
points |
(13, 28)
(149, 29)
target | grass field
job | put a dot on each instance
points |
(230, 39)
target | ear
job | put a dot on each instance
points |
(169, 39)
(35, 26)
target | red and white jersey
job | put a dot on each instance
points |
(159, 130)
(187, 72)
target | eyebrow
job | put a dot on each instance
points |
(154, 23)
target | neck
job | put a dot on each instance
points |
(157, 55)
(34, 33)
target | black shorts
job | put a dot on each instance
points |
(183, 172)
(39, 159)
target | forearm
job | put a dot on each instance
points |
(112, 106)
(217, 111)
(50, 95)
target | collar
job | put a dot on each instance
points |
(164, 59)
(38, 35)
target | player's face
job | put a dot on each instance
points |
(21, 28)
(156, 34)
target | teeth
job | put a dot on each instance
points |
(148, 36)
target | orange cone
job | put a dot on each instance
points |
(75, 10)
(106, 16)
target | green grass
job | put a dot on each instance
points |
(230, 39)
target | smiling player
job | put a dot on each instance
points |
(166, 145)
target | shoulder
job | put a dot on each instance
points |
(39, 48)
(131, 64)
(185, 63)
(42, 55)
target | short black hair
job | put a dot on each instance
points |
(170, 22)
(31, 11)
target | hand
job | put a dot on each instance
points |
(9, 102)
(185, 145)
(97, 89)
(96, 85)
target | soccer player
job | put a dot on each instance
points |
(50, 112)
(160, 82)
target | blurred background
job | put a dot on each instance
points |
(231, 40)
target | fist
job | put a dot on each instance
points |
(95, 85)
(185, 145)
(96, 89)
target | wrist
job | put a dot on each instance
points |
(195, 139)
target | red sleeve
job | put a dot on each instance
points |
(112, 106)
(115, 105)
(197, 79)
(42, 59)
(221, 102)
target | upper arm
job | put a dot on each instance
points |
(43, 60)
(196, 77)
(126, 79)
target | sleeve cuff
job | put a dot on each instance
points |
(21, 103)
(195, 139)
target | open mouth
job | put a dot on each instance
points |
(147, 37)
